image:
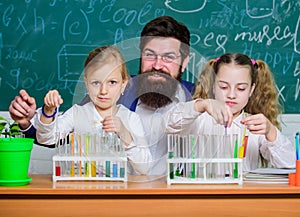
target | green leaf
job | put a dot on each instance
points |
(4, 119)
(9, 129)
(14, 127)
(14, 134)
(2, 127)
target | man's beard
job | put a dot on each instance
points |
(156, 93)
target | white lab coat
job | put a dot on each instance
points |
(155, 125)
(86, 119)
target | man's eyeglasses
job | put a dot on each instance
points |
(167, 57)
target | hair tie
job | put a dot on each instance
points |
(48, 116)
(217, 59)
(253, 61)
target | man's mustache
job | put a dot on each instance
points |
(155, 72)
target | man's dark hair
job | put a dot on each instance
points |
(166, 26)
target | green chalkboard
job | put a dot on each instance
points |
(43, 44)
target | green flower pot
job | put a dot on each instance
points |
(14, 161)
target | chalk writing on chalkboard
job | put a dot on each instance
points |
(43, 44)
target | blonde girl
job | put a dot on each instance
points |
(229, 89)
(105, 77)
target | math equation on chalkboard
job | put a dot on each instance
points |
(43, 44)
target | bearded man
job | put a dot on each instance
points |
(158, 86)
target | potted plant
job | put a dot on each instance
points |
(15, 154)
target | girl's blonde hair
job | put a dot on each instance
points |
(103, 55)
(264, 98)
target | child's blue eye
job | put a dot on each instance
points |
(95, 83)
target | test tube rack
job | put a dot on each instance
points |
(89, 157)
(203, 159)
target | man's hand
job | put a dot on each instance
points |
(22, 109)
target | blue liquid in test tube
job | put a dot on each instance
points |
(115, 170)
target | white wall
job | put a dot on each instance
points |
(290, 125)
(41, 157)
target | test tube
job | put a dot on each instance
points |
(92, 148)
(107, 169)
(178, 154)
(115, 170)
(193, 169)
(86, 169)
(171, 142)
(122, 172)
(227, 154)
(80, 154)
(235, 155)
(57, 150)
(171, 165)
(220, 143)
(93, 168)
(201, 145)
(100, 169)
(71, 141)
(57, 168)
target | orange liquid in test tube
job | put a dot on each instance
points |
(297, 173)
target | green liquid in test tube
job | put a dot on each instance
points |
(171, 155)
(122, 172)
(235, 155)
(193, 173)
(107, 168)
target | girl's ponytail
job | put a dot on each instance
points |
(265, 96)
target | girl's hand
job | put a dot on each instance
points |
(114, 124)
(259, 124)
(217, 109)
(51, 101)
